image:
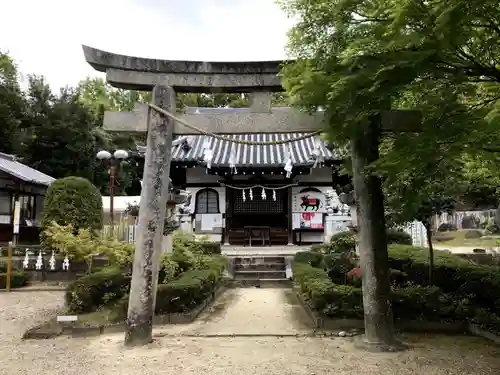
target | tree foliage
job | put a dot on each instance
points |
(84, 245)
(356, 57)
(71, 201)
(12, 105)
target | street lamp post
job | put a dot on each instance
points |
(114, 161)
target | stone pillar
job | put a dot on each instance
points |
(260, 102)
(139, 325)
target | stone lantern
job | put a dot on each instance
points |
(175, 198)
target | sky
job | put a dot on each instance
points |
(45, 37)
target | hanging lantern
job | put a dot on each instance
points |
(263, 194)
(208, 154)
(232, 160)
(244, 196)
(250, 194)
(274, 195)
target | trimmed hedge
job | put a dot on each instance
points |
(197, 277)
(478, 283)
(92, 291)
(396, 236)
(313, 258)
(18, 279)
(188, 290)
(346, 301)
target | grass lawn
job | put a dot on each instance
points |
(459, 240)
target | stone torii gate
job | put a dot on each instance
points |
(260, 79)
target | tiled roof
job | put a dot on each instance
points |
(249, 155)
(10, 165)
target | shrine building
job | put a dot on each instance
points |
(256, 195)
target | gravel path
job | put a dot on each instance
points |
(250, 311)
(105, 355)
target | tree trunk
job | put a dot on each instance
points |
(428, 231)
(379, 326)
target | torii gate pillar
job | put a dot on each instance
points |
(153, 202)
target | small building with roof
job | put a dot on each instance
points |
(19, 182)
(255, 195)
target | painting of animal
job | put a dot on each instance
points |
(310, 204)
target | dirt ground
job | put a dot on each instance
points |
(241, 311)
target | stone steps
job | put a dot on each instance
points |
(260, 267)
(259, 275)
(262, 283)
(258, 270)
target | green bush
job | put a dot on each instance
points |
(314, 258)
(71, 201)
(398, 278)
(473, 233)
(396, 236)
(446, 227)
(184, 258)
(182, 294)
(92, 291)
(343, 242)
(338, 264)
(442, 238)
(187, 291)
(169, 269)
(478, 283)
(182, 241)
(320, 248)
(314, 283)
(487, 321)
(428, 303)
(18, 279)
(346, 301)
(210, 248)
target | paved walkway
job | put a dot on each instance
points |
(105, 355)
